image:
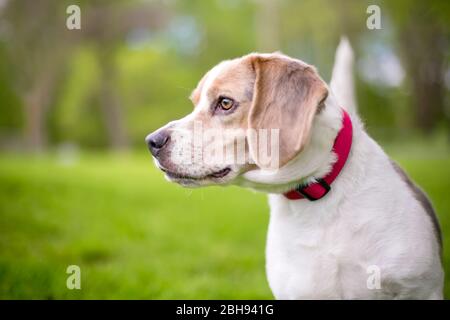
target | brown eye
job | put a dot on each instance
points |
(226, 103)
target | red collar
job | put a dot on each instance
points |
(342, 145)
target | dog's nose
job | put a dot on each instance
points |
(156, 141)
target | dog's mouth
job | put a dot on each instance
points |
(178, 176)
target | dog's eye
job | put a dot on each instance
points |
(226, 103)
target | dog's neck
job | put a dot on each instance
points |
(315, 161)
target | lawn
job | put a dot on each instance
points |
(135, 236)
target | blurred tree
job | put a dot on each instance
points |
(107, 25)
(40, 46)
(268, 26)
(36, 49)
(11, 119)
(423, 33)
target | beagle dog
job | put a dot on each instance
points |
(346, 222)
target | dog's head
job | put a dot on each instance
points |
(252, 112)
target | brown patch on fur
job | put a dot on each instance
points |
(423, 200)
(287, 95)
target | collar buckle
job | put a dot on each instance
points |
(320, 182)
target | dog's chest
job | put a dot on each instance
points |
(311, 256)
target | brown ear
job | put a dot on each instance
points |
(287, 95)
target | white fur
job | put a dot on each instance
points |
(324, 249)
(342, 78)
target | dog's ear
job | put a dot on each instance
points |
(287, 94)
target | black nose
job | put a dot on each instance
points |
(157, 140)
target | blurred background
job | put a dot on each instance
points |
(78, 187)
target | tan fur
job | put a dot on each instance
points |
(286, 96)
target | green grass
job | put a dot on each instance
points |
(134, 235)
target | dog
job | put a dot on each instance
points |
(346, 222)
